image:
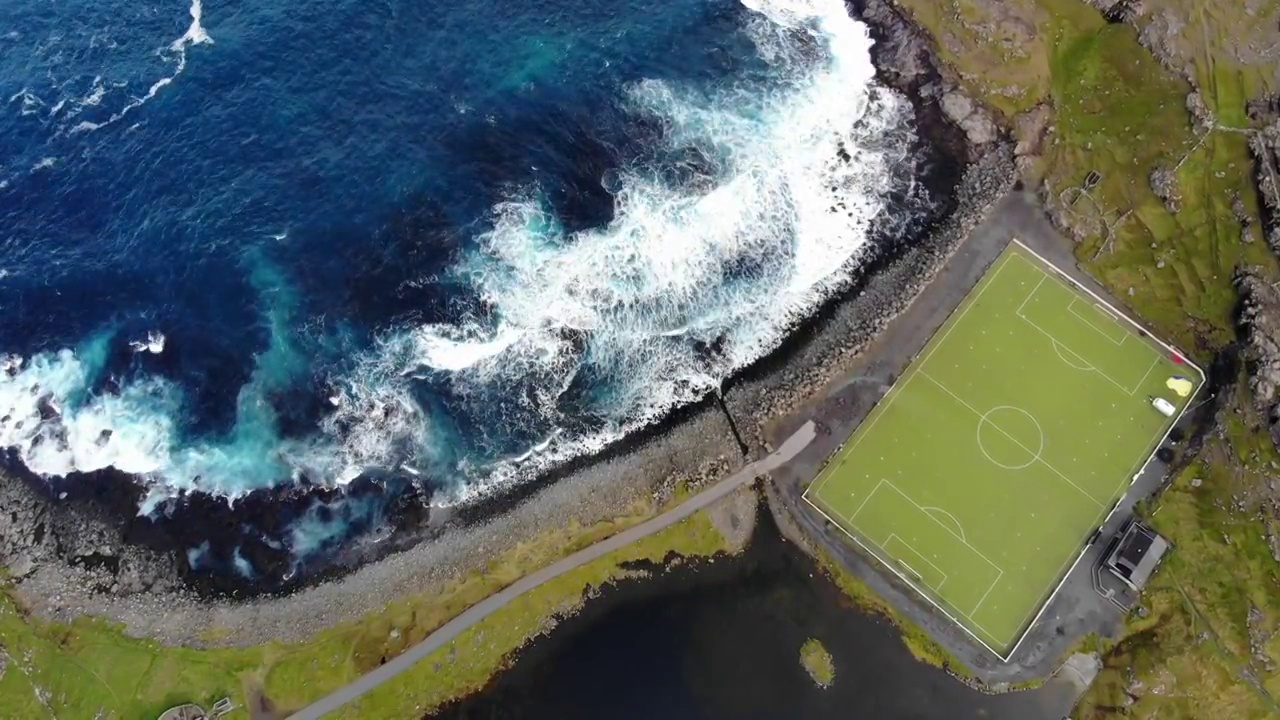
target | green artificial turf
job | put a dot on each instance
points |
(983, 472)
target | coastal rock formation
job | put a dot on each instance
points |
(24, 531)
(42, 539)
(903, 54)
(1164, 183)
(1260, 317)
(1265, 146)
(853, 324)
(976, 122)
(1030, 131)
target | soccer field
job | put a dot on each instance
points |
(981, 475)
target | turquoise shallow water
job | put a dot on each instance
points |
(436, 246)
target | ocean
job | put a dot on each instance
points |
(434, 247)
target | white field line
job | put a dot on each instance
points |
(1067, 347)
(959, 526)
(1058, 349)
(999, 570)
(939, 523)
(1017, 442)
(864, 502)
(940, 571)
(895, 389)
(983, 599)
(1043, 276)
(911, 584)
(1071, 308)
(1076, 284)
(1054, 339)
(1138, 387)
(987, 285)
(852, 521)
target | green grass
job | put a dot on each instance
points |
(91, 668)
(816, 661)
(467, 663)
(1121, 114)
(860, 595)
(981, 474)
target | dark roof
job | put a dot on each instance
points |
(1138, 554)
(1133, 548)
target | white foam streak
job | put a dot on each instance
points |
(154, 343)
(195, 35)
(441, 352)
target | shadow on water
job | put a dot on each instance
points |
(722, 640)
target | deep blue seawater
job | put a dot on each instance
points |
(247, 245)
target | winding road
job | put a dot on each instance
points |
(481, 610)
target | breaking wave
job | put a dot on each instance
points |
(751, 208)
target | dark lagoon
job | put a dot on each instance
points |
(722, 640)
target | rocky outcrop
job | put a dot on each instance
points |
(974, 120)
(905, 59)
(38, 533)
(1264, 144)
(25, 539)
(1260, 317)
(1030, 130)
(1164, 183)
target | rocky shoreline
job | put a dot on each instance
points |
(73, 556)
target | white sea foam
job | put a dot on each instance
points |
(130, 431)
(437, 349)
(154, 343)
(195, 35)
(31, 103)
(798, 176)
(785, 204)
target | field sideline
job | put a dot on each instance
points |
(980, 476)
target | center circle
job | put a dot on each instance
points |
(1010, 437)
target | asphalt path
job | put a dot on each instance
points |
(483, 609)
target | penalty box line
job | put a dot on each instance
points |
(1054, 339)
(1071, 308)
(999, 570)
(946, 611)
(1077, 285)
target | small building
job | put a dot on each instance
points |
(1136, 556)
